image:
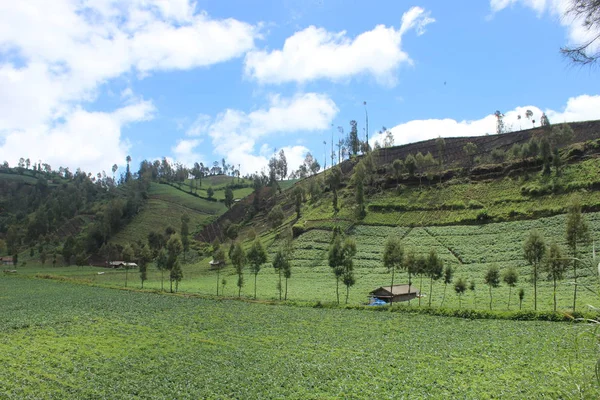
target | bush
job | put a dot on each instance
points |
(475, 205)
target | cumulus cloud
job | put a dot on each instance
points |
(579, 108)
(315, 53)
(577, 33)
(235, 133)
(56, 55)
(89, 140)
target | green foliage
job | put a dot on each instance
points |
(238, 259)
(234, 345)
(534, 250)
(275, 216)
(492, 279)
(460, 287)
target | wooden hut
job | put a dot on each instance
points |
(396, 293)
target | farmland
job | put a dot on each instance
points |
(470, 249)
(61, 340)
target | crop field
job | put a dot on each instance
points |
(59, 340)
(463, 202)
(470, 249)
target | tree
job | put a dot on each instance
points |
(185, 234)
(127, 170)
(115, 167)
(210, 192)
(218, 255)
(287, 274)
(298, 194)
(275, 216)
(534, 250)
(448, 274)
(128, 255)
(282, 165)
(420, 270)
(335, 258)
(529, 115)
(521, 297)
(397, 165)
(577, 233)
(144, 259)
(256, 257)
(470, 150)
(353, 142)
(435, 270)
(358, 179)
(492, 279)
(174, 248)
(393, 256)
(587, 13)
(420, 163)
(228, 197)
(348, 253)
(544, 121)
(410, 164)
(161, 265)
(510, 277)
(556, 266)
(238, 259)
(472, 289)
(334, 179)
(460, 287)
(278, 265)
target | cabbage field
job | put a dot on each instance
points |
(62, 340)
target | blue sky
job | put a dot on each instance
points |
(83, 83)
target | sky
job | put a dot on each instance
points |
(84, 83)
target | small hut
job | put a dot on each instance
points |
(216, 264)
(395, 294)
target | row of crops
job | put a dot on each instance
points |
(59, 340)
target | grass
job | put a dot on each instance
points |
(164, 208)
(60, 340)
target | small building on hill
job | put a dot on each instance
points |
(121, 264)
(7, 260)
(216, 264)
(395, 294)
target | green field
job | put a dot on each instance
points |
(164, 208)
(470, 249)
(59, 340)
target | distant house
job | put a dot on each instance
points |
(7, 260)
(214, 264)
(396, 293)
(121, 264)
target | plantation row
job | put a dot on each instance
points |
(72, 341)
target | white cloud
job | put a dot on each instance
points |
(576, 32)
(56, 55)
(315, 53)
(234, 133)
(184, 151)
(581, 108)
(89, 140)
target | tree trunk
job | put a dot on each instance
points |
(535, 287)
(409, 284)
(286, 280)
(509, 293)
(280, 284)
(162, 280)
(347, 293)
(337, 289)
(459, 301)
(255, 275)
(490, 297)
(218, 274)
(430, 290)
(420, 288)
(554, 294)
(575, 278)
(444, 295)
(171, 288)
(392, 286)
